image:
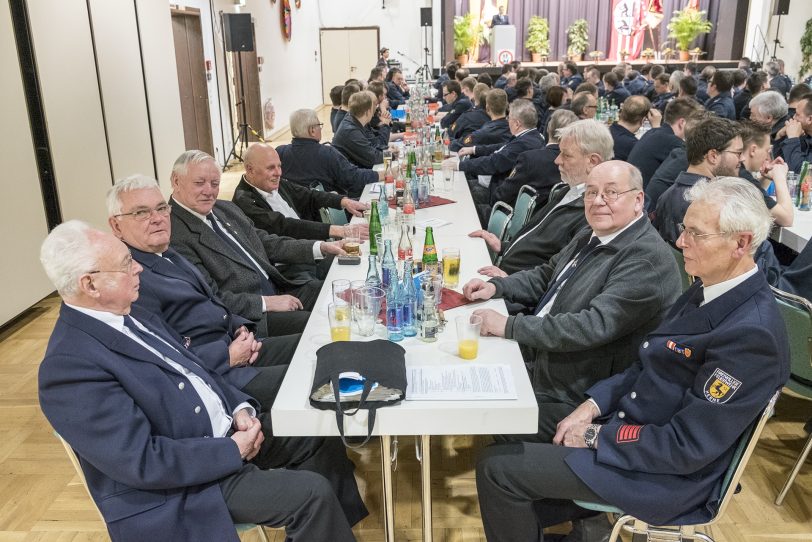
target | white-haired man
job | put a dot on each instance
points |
(170, 450)
(657, 439)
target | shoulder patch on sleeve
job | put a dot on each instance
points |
(628, 433)
(454, 126)
(468, 139)
(720, 387)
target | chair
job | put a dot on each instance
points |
(797, 314)
(687, 279)
(744, 449)
(525, 203)
(74, 460)
(501, 213)
(333, 216)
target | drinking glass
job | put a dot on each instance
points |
(792, 184)
(448, 179)
(468, 335)
(339, 322)
(366, 307)
(341, 292)
(352, 239)
(451, 267)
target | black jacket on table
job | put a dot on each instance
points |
(493, 131)
(306, 161)
(624, 140)
(671, 422)
(455, 109)
(652, 150)
(536, 168)
(549, 230)
(467, 123)
(664, 177)
(354, 142)
(671, 206)
(255, 207)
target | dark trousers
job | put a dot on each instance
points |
(524, 487)
(311, 490)
(271, 364)
(551, 412)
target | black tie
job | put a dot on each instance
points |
(580, 258)
(165, 349)
(694, 301)
(266, 287)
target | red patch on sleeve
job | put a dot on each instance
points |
(628, 433)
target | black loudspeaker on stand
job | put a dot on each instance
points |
(781, 8)
(238, 37)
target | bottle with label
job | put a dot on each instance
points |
(806, 186)
(801, 178)
(409, 298)
(373, 278)
(418, 176)
(405, 245)
(394, 310)
(389, 181)
(446, 144)
(383, 206)
(424, 189)
(430, 262)
(429, 320)
(389, 270)
(374, 228)
(408, 207)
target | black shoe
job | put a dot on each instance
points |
(592, 529)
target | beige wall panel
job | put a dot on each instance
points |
(122, 85)
(162, 84)
(22, 222)
(70, 91)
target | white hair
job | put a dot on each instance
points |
(133, 182)
(301, 121)
(770, 103)
(67, 254)
(181, 165)
(741, 206)
(674, 80)
(591, 136)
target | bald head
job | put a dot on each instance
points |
(263, 168)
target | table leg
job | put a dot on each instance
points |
(425, 478)
(386, 478)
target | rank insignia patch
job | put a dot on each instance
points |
(453, 126)
(720, 387)
(467, 139)
(679, 348)
(628, 433)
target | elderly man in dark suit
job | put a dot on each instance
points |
(657, 439)
(593, 302)
(169, 449)
(174, 289)
(237, 257)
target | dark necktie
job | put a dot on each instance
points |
(266, 287)
(580, 258)
(694, 301)
(156, 343)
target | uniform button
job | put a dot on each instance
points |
(225, 317)
(633, 395)
(197, 410)
(645, 344)
(620, 414)
(181, 385)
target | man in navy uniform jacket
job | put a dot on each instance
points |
(656, 440)
(170, 450)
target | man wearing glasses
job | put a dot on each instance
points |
(456, 103)
(713, 150)
(594, 301)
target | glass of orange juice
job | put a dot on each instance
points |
(468, 335)
(340, 321)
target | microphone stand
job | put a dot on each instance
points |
(421, 70)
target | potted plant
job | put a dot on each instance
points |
(538, 38)
(685, 26)
(578, 38)
(465, 37)
(806, 50)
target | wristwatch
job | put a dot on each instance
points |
(591, 435)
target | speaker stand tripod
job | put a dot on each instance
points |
(242, 132)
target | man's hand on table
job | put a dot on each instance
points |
(491, 240)
(356, 208)
(491, 271)
(477, 289)
(493, 323)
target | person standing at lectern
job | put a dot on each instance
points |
(500, 18)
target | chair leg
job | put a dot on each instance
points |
(623, 520)
(263, 536)
(798, 464)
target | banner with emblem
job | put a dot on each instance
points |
(628, 29)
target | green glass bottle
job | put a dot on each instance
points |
(430, 262)
(374, 228)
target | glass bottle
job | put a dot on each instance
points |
(389, 181)
(374, 228)
(430, 262)
(801, 178)
(424, 190)
(408, 206)
(389, 270)
(429, 321)
(408, 295)
(394, 309)
(405, 245)
(383, 206)
(373, 278)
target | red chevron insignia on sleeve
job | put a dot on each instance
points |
(628, 433)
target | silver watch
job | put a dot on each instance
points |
(591, 435)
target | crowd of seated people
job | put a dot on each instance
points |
(188, 313)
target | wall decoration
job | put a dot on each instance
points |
(286, 19)
(298, 4)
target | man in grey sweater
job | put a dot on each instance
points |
(595, 300)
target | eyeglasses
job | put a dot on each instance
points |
(143, 214)
(318, 125)
(609, 196)
(447, 94)
(128, 268)
(693, 235)
(737, 153)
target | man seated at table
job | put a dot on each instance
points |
(570, 76)
(770, 109)
(496, 130)
(594, 301)
(352, 137)
(456, 103)
(174, 289)
(397, 91)
(474, 118)
(713, 150)
(721, 102)
(282, 208)
(796, 148)
(237, 257)
(656, 440)
(346, 93)
(169, 449)
(306, 161)
(583, 145)
(632, 114)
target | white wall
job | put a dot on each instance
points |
(792, 28)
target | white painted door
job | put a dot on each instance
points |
(346, 53)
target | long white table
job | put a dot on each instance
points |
(293, 416)
(797, 235)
